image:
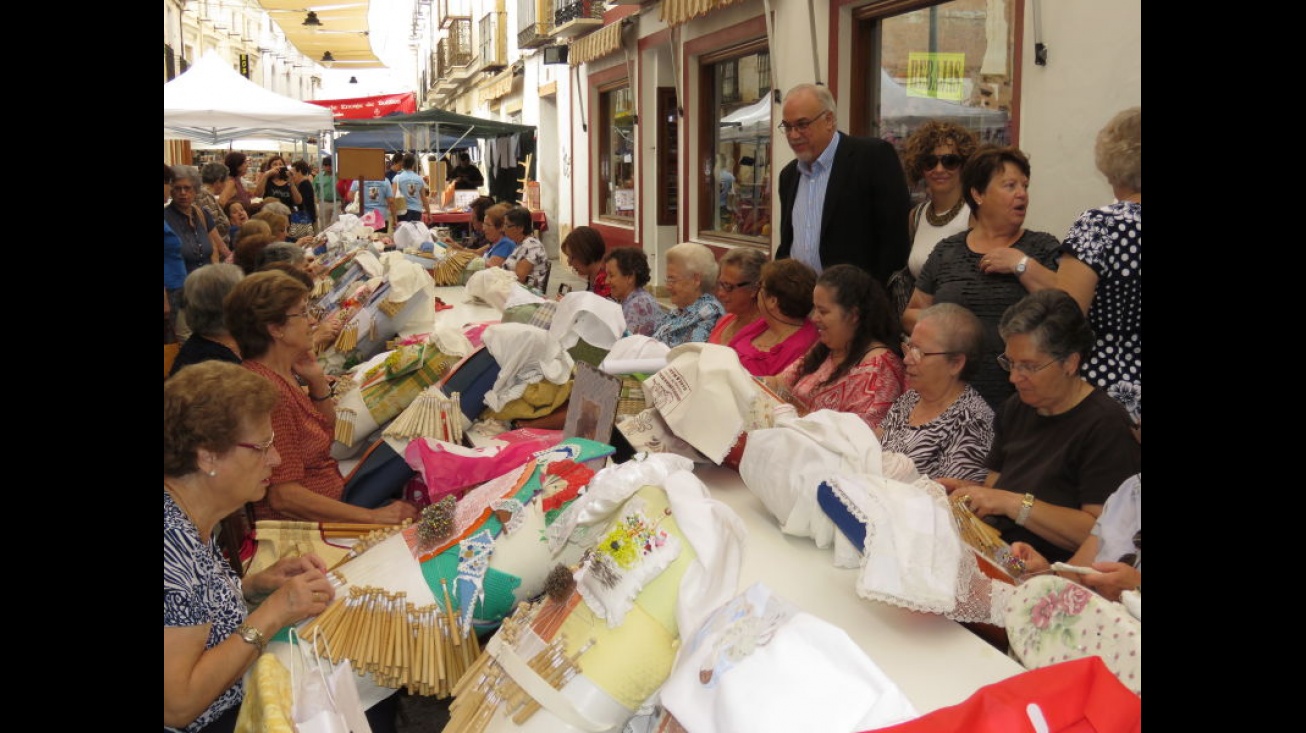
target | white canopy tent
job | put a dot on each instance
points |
(212, 103)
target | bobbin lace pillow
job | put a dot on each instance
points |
(631, 553)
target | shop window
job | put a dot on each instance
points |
(735, 139)
(953, 61)
(616, 151)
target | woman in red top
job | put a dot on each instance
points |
(584, 249)
(267, 314)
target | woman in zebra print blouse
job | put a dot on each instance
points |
(941, 422)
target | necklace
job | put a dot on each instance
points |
(185, 509)
(939, 220)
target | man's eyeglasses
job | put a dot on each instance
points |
(1020, 367)
(799, 125)
(950, 161)
(729, 288)
(914, 351)
(260, 447)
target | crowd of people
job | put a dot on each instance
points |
(1007, 365)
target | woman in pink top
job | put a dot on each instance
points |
(783, 333)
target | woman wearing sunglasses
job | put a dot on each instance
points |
(936, 152)
(986, 268)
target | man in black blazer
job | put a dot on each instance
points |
(850, 203)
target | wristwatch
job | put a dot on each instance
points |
(1020, 266)
(251, 635)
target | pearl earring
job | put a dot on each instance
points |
(213, 472)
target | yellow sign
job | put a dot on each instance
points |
(937, 75)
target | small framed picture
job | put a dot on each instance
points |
(593, 406)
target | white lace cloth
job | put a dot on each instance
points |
(758, 664)
(584, 315)
(705, 396)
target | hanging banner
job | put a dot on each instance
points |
(367, 108)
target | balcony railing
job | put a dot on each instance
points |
(454, 51)
(566, 12)
(535, 21)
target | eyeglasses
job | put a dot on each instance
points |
(183, 189)
(950, 161)
(260, 447)
(914, 351)
(728, 288)
(301, 314)
(1007, 364)
(799, 125)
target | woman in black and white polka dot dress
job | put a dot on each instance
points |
(1102, 265)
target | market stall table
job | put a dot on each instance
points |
(435, 217)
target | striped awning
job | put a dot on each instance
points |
(500, 86)
(596, 45)
(676, 12)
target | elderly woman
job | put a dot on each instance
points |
(1063, 446)
(501, 245)
(268, 315)
(201, 242)
(236, 217)
(987, 268)
(529, 261)
(691, 278)
(218, 453)
(855, 366)
(941, 422)
(214, 178)
(249, 249)
(206, 289)
(736, 289)
(628, 273)
(783, 333)
(584, 249)
(1101, 265)
(475, 239)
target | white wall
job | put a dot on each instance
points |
(1094, 70)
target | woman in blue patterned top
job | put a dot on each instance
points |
(691, 280)
(217, 456)
(627, 269)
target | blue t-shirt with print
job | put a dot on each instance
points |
(410, 185)
(376, 194)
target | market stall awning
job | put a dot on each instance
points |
(342, 29)
(212, 103)
(449, 123)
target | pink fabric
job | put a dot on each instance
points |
(867, 390)
(761, 363)
(445, 472)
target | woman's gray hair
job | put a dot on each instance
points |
(961, 331)
(1053, 321)
(696, 259)
(187, 173)
(281, 252)
(748, 260)
(205, 289)
(214, 173)
(276, 207)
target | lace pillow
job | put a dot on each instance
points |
(630, 554)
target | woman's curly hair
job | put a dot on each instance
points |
(929, 136)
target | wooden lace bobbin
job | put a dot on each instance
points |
(347, 339)
(390, 307)
(344, 430)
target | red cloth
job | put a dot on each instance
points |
(1079, 696)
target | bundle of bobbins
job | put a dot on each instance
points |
(421, 649)
(486, 689)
